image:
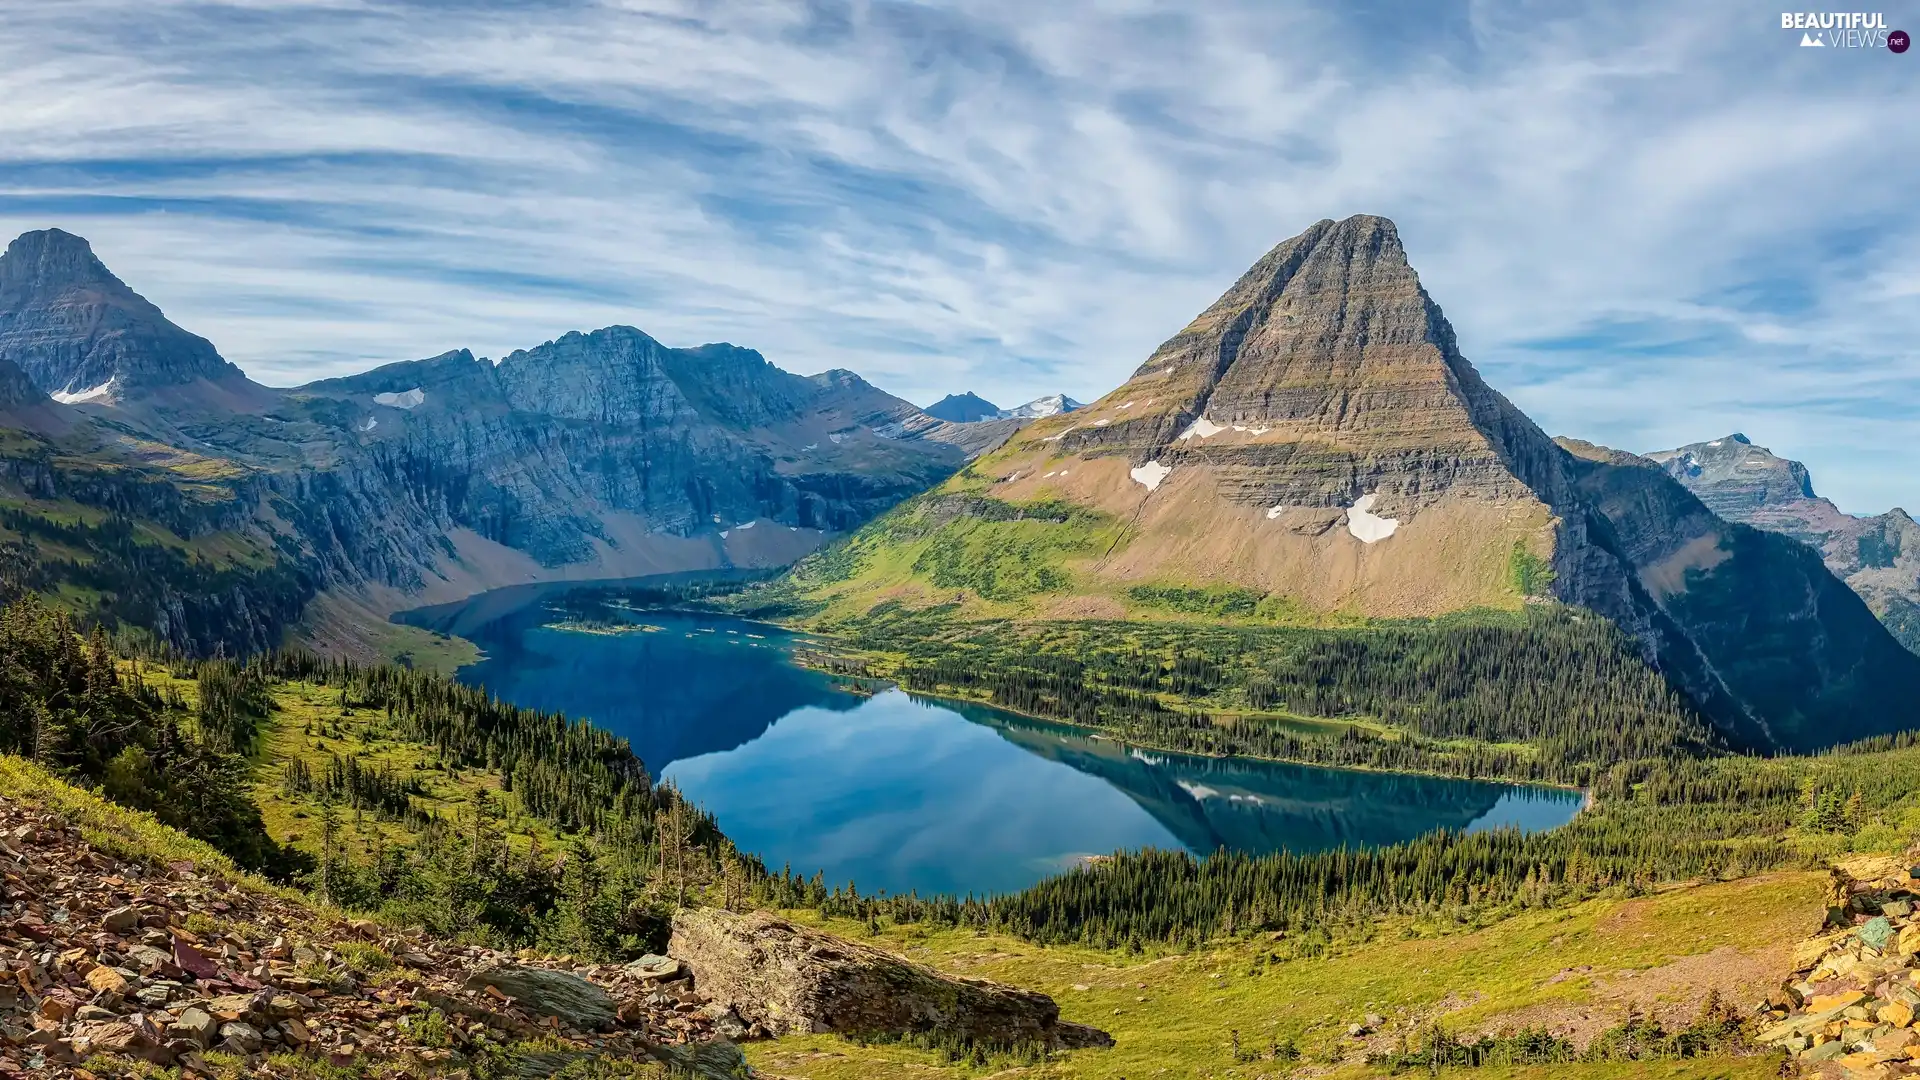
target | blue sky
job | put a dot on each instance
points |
(1650, 223)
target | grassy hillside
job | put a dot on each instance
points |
(1578, 969)
(998, 550)
(398, 793)
(1581, 971)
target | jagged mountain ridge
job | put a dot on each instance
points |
(691, 442)
(1317, 439)
(1877, 556)
(594, 455)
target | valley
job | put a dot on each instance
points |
(1212, 709)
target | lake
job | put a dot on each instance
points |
(898, 793)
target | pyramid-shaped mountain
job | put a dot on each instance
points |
(1877, 556)
(1315, 441)
(81, 334)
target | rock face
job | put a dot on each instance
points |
(1878, 557)
(80, 333)
(1323, 375)
(790, 979)
(1737, 479)
(963, 408)
(558, 451)
(1316, 435)
(1749, 623)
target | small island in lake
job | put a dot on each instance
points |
(605, 629)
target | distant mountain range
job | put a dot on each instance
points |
(971, 408)
(594, 455)
(1879, 556)
(1315, 446)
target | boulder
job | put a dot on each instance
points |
(108, 1037)
(195, 1024)
(242, 1038)
(1876, 932)
(652, 968)
(577, 1002)
(716, 1060)
(105, 980)
(787, 979)
(120, 920)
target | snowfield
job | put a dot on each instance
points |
(1367, 527)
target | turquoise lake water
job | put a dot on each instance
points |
(898, 793)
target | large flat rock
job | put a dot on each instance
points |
(792, 979)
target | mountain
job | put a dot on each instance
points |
(963, 408)
(1316, 442)
(1878, 557)
(82, 335)
(611, 449)
(1051, 405)
(602, 454)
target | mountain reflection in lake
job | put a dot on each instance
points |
(895, 792)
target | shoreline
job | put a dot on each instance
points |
(1092, 731)
(1095, 731)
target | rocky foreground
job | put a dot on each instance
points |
(1849, 1011)
(108, 966)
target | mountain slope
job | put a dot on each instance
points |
(1233, 455)
(1749, 623)
(1316, 442)
(1878, 557)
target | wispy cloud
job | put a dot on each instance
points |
(1649, 225)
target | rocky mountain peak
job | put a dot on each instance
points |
(1878, 557)
(50, 257)
(1733, 476)
(964, 408)
(1049, 405)
(80, 334)
(1326, 373)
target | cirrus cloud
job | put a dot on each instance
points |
(1650, 226)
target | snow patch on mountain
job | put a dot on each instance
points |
(406, 399)
(1151, 474)
(1366, 526)
(1203, 427)
(71, 396)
